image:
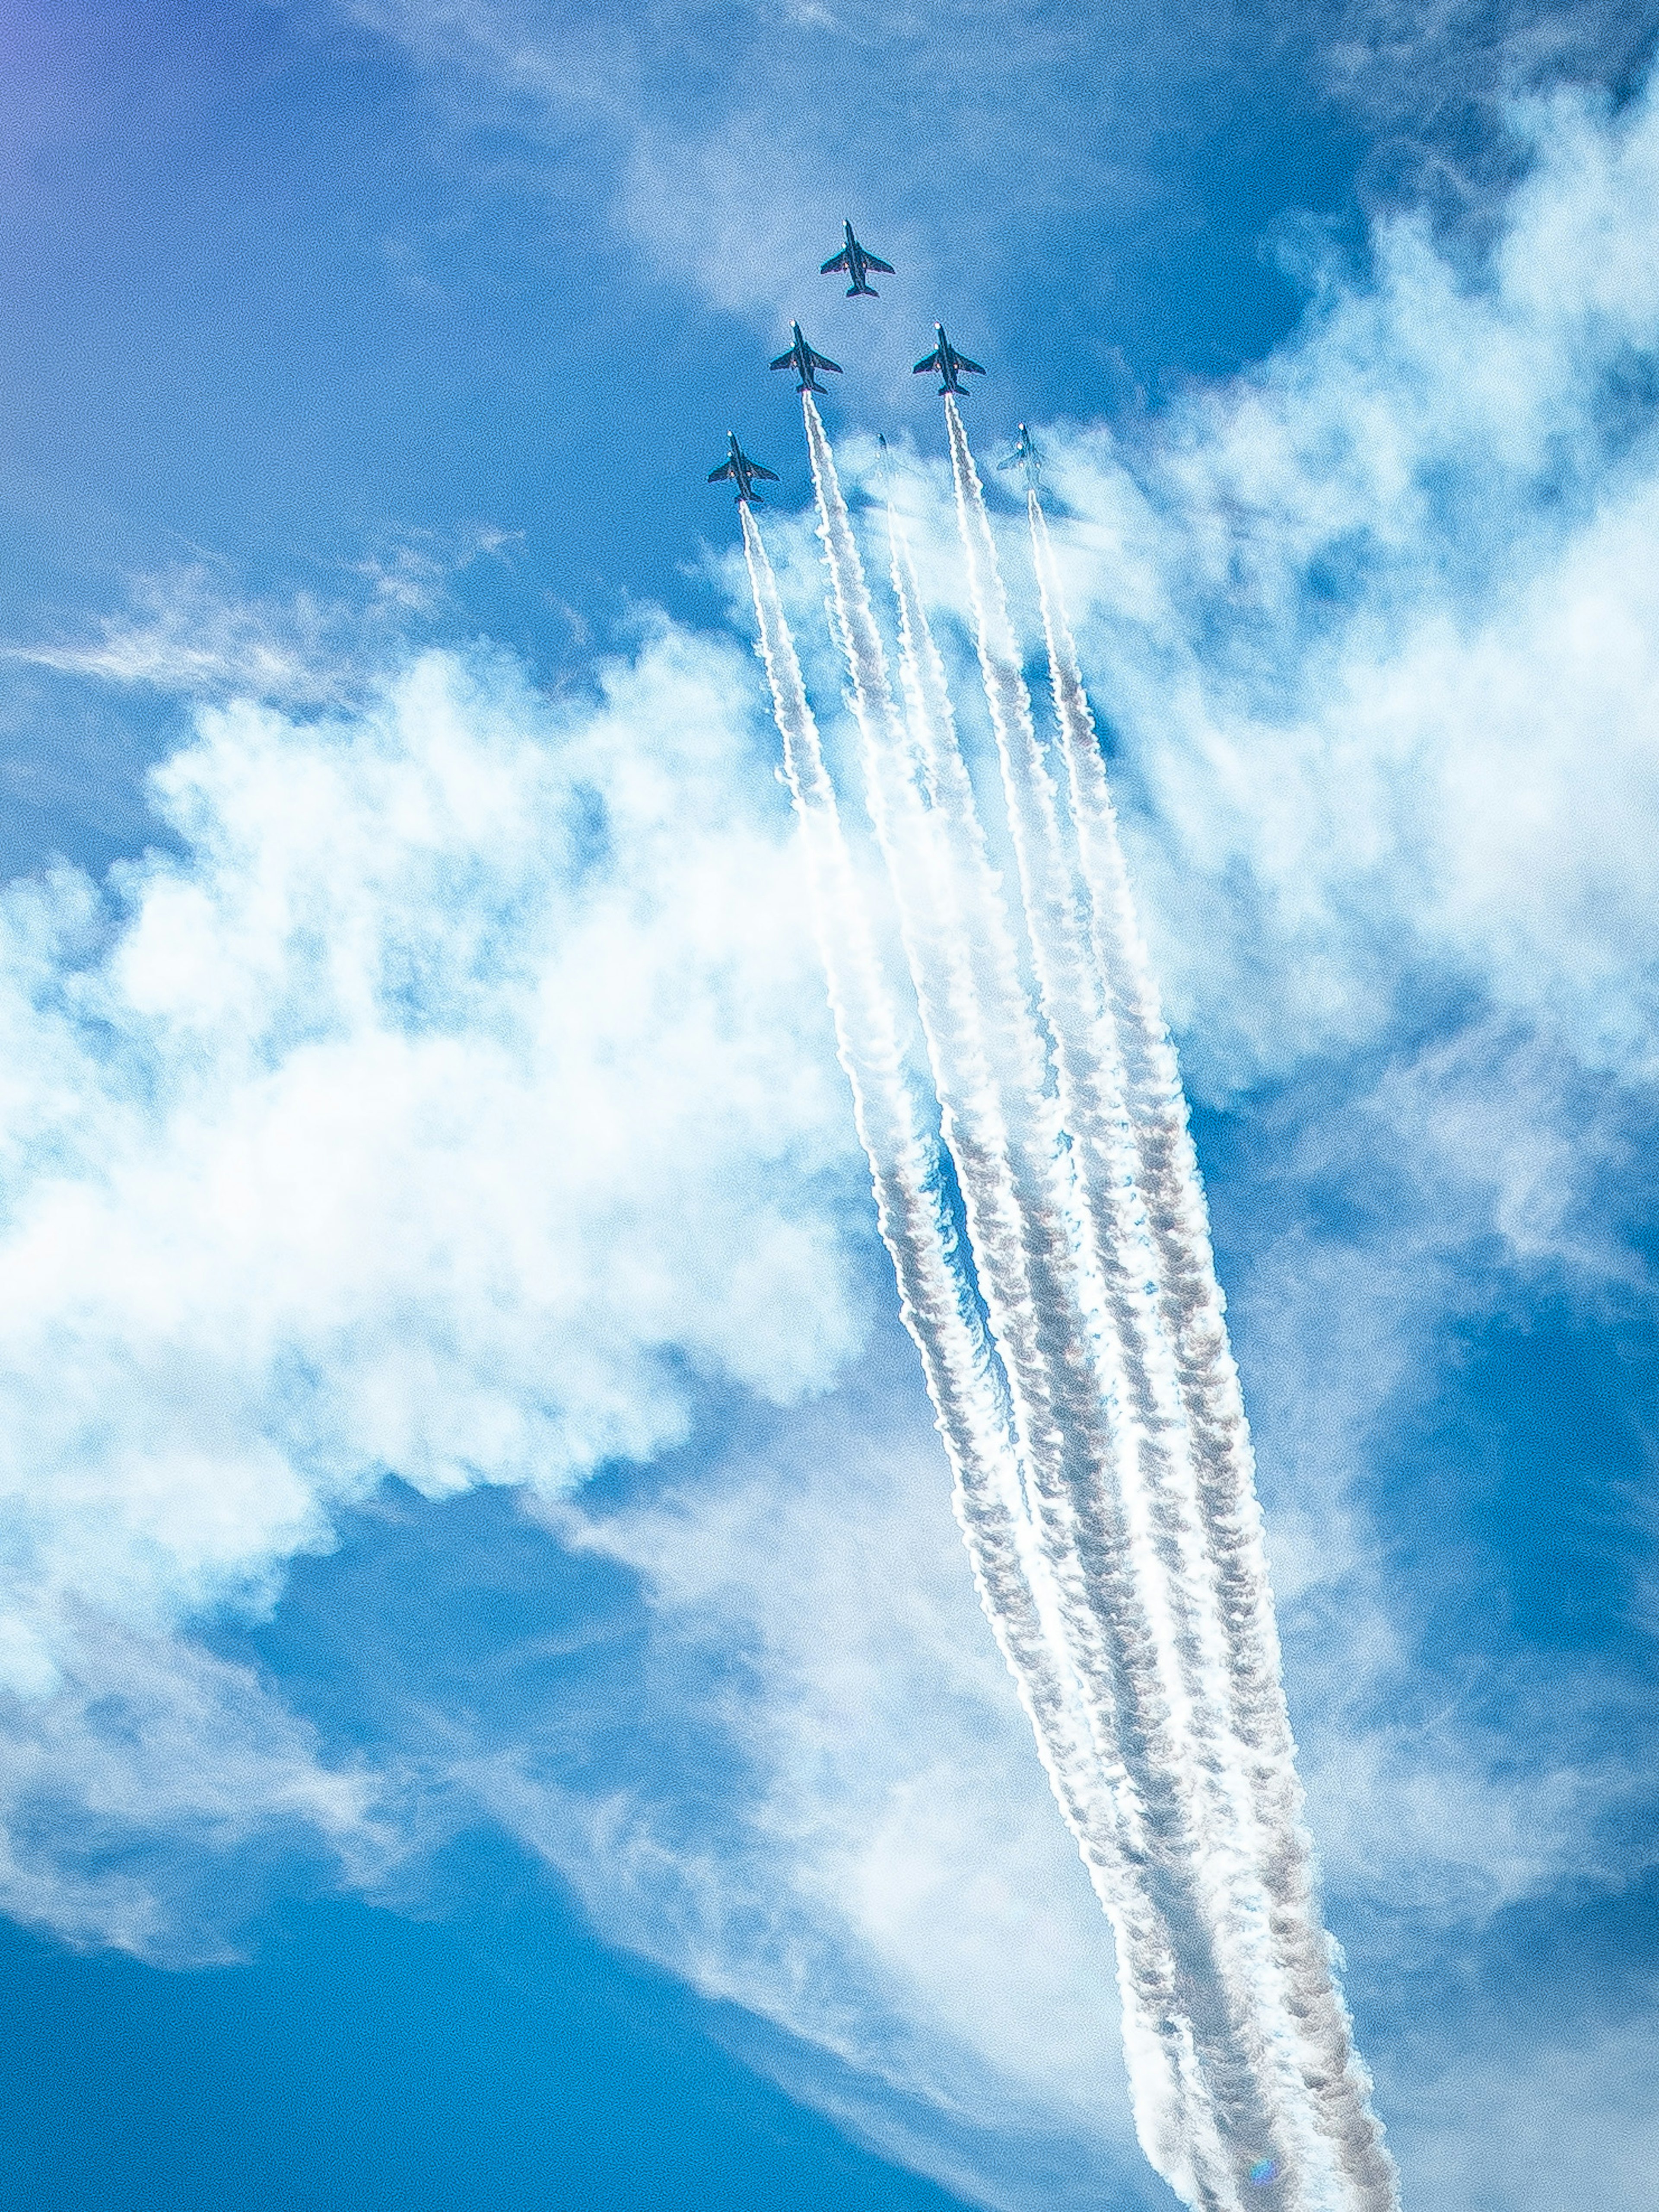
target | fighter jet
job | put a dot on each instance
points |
(948, 362)
(857, 264)
(1025, 456)
(802, 358)
(742, 471)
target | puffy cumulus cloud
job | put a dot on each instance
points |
(457, 1100)
(1376, 625)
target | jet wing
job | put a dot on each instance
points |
(962, 361)
(935, 360)
(885, 268)
(818, 361)
(786, 360)
(841, 261)
(755, 470)
(726, 469)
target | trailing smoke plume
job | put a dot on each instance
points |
(1081, 1377)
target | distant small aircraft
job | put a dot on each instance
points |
(802, 358)
(743, 472)
(948, 362)
(1025, 456)
(857, 264)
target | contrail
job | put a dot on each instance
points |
(1172, 2105)
(939, 1313)
(1103, 1472)
(1183, 1670)
(1192, 1309)
(1007, 1249)
(1014, 1171)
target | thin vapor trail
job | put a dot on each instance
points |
(1252, 2051)
(1192, 1309)
(1023, 1254)
(935, 1298)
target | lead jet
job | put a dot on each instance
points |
(857, 264)
(948, 362)
(1025, 456)
(742, 471)
(802, 358)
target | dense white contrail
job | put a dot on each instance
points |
(1023, 1256)
(939, 1314)
(1192, 1309)
(1103, 1478)
(1246, 2042)
(1015, 1167)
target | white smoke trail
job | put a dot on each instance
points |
(1255, 2051)
(1014, 1171)
(1001, 1228)
(1192, 1309)
(1102, 1476)
(935, 1298)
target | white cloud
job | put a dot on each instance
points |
(458, 1103)
(182, 633)
(1377, 625)
(889, 1881)
(142, 1799)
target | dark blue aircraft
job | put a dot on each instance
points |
(742, 471)
(948, 362)
(802, 358)
(1025, 456)
(857, 264)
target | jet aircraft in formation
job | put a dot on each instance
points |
(1025, 456)
(742, 471)
(948, 362)
(857, 264)
(856, 261)
(802, 358)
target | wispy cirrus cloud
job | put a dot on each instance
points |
(185, 633)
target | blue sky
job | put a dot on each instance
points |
(495, 1707)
